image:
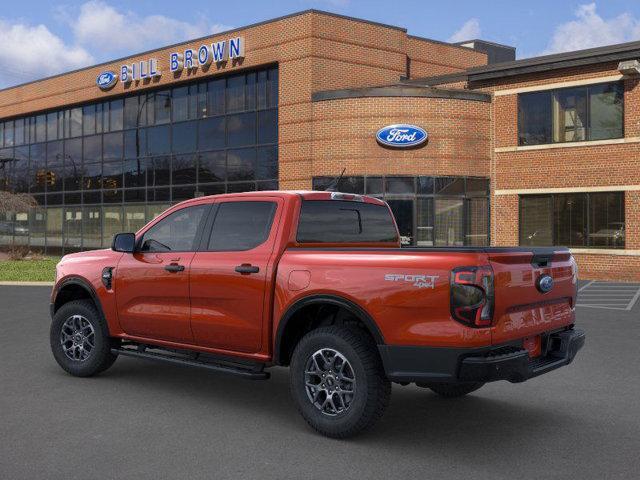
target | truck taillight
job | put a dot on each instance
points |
(472, 295)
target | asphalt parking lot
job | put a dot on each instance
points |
(146, 420)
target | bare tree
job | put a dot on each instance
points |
(16, 202)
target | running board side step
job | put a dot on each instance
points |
(250, 371)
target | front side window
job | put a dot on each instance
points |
(241, 225)
(593, 112)
(336, 221)
(581, 220)
(176, 232)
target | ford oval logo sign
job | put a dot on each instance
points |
(401, 136)
(106, 80)
(544, 283)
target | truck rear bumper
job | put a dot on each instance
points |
(405, 364)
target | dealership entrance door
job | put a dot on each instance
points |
(403, 210)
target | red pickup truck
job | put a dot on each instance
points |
(316, 281)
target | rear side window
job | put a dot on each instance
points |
(176, 232)
(336, 221)
(241, 225)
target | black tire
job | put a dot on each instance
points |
(453, 390)
(99, 358)
(372, 390)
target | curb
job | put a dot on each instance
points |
(27, 284)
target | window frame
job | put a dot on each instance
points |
(588, 221)
(197, 241)
(208, 228)
(552, 93)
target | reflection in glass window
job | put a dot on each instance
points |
(241, 164)
(212, 167)
(241, 225)
(176, 232)
(477, 232)
(184, 137)
(449, 216)
(576, 114)
(92, 224)
(215, 97)
(159, 140)
(235, 93)
(594, 220)
(424, 227)
(111, 224)
(241, 129)
(134, 218)
(268, 126)
(116, 115)
(112, 145)
(211, 133)
(183, 169)
(82, 162)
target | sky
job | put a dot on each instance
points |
(39, 38)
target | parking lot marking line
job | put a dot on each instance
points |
(586, 285)
(598, 306)
(634, 300)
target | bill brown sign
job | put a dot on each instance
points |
(189, 59)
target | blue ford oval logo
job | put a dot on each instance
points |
(401, 136)
(106, 80)
(544, 283)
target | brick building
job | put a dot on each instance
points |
(533, 152)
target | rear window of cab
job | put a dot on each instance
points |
(337, 221)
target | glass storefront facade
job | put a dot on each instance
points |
(429, 211)
(106, 167)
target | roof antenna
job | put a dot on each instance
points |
(335, 184)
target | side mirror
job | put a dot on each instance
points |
(124, 242)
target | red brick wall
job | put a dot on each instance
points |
(344, 135)
(430, 58)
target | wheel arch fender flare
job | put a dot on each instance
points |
(84, 285)
(325, 299)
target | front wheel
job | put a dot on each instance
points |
(337, 381)
(79, 339)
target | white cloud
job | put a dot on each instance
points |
(469, 31)
(28, 52)
(104, 29)
(591, 30)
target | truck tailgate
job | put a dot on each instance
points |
(522, 308)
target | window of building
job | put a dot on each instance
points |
(581, 220)
(176, 232)
(158, 148)
(593, 112)
(241, 225)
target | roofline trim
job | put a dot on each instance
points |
(399, 91)
(552, 86)
(556, 61)
(441, 42)
(496, 44)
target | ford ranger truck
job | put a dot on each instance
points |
(315, 281)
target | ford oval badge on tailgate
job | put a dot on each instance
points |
(544, 283)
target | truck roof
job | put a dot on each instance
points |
(305, 194)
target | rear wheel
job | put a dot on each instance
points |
(80, 340)
(337, 381)
(453, 390)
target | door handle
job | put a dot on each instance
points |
(247, 268)
(174, 268)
